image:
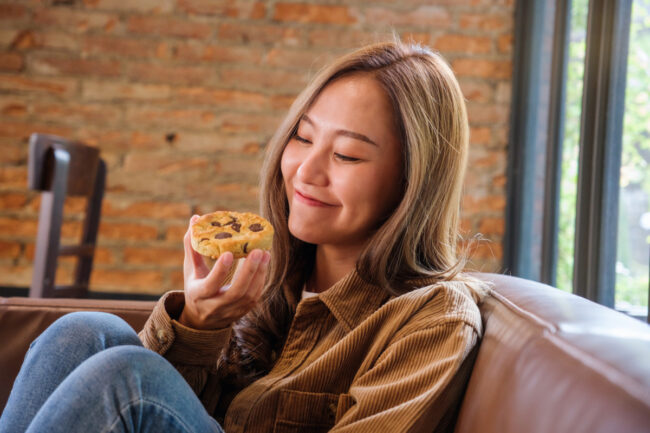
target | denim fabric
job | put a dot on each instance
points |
(88, 372)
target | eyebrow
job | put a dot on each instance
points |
(344, 132)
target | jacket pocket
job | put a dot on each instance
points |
(300, 411)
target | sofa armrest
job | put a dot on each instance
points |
(23, 319)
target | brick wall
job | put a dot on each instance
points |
(182, 95)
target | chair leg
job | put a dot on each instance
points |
(49, 230)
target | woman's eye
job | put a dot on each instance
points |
(301, 139)
(345, 158)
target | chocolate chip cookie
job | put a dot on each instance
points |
(240, 233)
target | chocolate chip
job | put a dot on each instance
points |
(222, 235)
(245, 246)
(232, 221)
(236, 227)
(215, 224)
(256, 227)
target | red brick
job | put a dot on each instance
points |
(22, 131)
(264, 79)
(479, 135)
(282, 102)
(157, 73)
(497, 69)
(259, 34)
(52, 86)
(505, 43)
(169, 118)
(477, 90)
(218, 53)
(313, 13)
(249, 122)
(166, 26)
(151, 6)
(12, 107)
(126, 231)
(251, 101)
(499, 180)
(77, 113)
(75, 20)
(15, 275)
(296, 58)
(145, 209)
(473, 205)
(153, 256)
(224, 8)
(9, 250)
(13, 176)
(463, 44)
(488, 113)
(492, 226)
(486, 249)
(422, 16)
(75, 66)
(12, 12)
(349, 38)
(112, 91)
(125, 47)
(503, 93)
(12, 62)
(102, 255)
(175, 233)
(17, 227)
(30, 39)
(486, 22)
(127, 281)
(163, 164)
(421, 38)
(12, 152)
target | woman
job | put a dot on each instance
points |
(362, 321)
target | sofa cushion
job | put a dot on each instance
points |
(550, 361)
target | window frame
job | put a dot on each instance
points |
(603, 102)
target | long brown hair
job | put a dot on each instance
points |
(417, 240)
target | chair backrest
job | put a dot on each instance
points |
(58, 168)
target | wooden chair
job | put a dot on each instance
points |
(60, 168)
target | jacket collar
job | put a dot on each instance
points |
(351, 300)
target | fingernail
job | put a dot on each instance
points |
(267, 258)
(255, 256)
(227, 259)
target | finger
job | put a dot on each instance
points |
(193, 261)
(217, 276)
(245, 274)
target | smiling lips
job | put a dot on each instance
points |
(309, 200)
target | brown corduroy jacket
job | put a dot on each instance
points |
(355, 360)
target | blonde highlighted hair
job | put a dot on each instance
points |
(419, 238)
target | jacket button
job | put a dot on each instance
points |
(161, 335)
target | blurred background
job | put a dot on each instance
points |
(181, 97)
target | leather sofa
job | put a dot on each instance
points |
(548, 362)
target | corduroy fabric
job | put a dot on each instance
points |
(355, 359)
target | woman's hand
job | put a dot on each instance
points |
(209, 304)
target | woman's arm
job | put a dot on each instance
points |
(416, 384)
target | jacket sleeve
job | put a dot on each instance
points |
(415, 386)
(193, 352)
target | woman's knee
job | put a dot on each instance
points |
(102, 330)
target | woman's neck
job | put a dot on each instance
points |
(332, 264)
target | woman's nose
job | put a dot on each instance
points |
(313, 168)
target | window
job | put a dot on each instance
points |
(578, 213)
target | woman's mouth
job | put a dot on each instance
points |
(311, 201)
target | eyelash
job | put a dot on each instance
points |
(338, 155)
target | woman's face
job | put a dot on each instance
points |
(342, 170)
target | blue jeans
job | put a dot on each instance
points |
(88, 372)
